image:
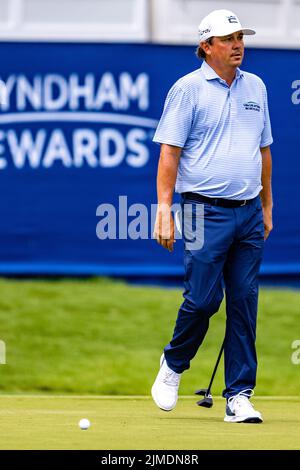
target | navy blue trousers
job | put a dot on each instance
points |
(230, 256)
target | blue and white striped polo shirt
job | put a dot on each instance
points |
(220, 130)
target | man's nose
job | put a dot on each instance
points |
(237, 43)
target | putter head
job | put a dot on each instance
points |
(202, 392)
(207, 402)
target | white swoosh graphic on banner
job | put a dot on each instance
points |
(111, 118)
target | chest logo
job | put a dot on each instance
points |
(251, 106)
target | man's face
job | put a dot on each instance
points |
(226, 50)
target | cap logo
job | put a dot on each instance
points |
(204, 31)
(232, 19)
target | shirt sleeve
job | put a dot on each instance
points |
(176, 120)
(266, 135)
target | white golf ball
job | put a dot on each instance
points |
(84, 424)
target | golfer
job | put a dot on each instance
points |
(215, 138)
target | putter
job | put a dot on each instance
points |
(207, 401)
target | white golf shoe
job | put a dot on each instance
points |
(240, 410)
(165, 388)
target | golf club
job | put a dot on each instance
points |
(207, 401)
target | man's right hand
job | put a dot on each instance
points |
(164, 227)
(166, 179)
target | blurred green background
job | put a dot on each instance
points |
(98, 336)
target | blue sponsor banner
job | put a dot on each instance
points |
(76, 154)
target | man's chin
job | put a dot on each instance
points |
(236, 61)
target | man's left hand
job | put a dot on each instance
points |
(268, 222)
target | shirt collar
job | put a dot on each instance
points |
(210, 74)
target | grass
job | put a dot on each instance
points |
(101, 337)
(135, 423)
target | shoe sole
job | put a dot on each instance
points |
(253, 420)
(250, 419)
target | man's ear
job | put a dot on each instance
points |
(206, 47)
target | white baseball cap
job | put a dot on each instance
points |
(220, 23)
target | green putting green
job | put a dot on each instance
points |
(51, 422)
(96, 336)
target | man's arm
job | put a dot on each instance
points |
(166, 179)
(266, 192)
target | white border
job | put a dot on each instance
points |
(152, 23)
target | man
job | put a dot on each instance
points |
(215, 135)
